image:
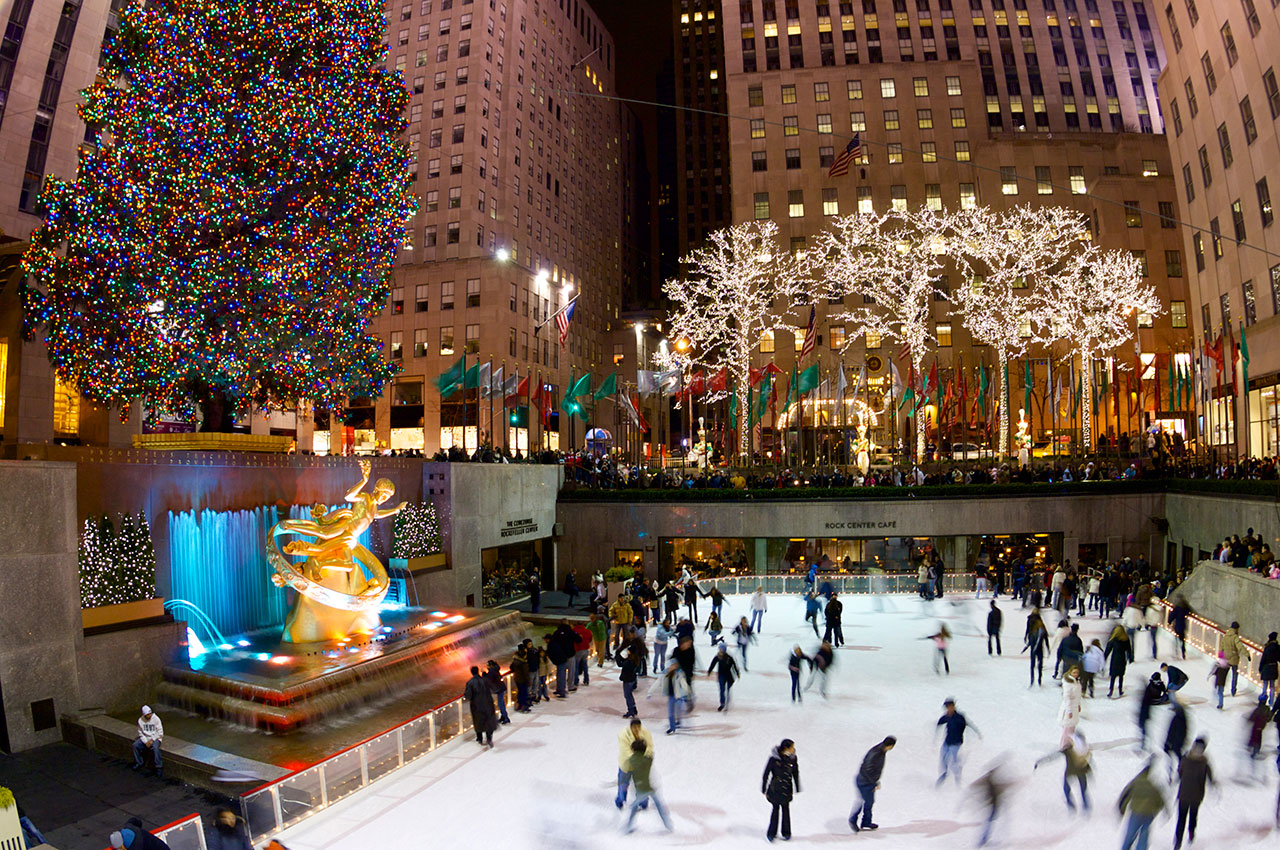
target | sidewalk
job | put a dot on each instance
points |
(553, 605)
(77, 797)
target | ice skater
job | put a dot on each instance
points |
(1078, 766)
(833, 612)
(955, 724)
(673, 685)
(1069, 710)
(1218, 676)
(484, 717)
(744, 635)
(1143, 799)
(1193, 772)
(1120, 651)
(1091, 666)
(821, 666)
(726, 674)
(995, 618)
(631, 733)
(811, 608)
(867, 781)
(941, 640)
(780, 783)
(991, 788)
(1035, 640)
(640, 766)
(795, 662)
(1152, 695)
(713, 627)
(1175, 738)
(759, 604)
(661, 637)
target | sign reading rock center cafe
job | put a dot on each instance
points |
(856, 525)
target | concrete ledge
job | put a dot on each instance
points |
(1223, 594)
(191, 763)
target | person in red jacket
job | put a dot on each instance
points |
(581, 649)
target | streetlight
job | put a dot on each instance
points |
(502, 255)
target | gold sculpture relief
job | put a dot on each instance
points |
(340, 583)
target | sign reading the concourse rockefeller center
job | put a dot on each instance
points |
(862, 525)
(520, 527)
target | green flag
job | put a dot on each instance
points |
(449, 380)
(608, 388)
(1244, 359)
(792, 395)
(761, 403)
(580, 387)
(1172, 385)
(1026, 384)
(982, 388)
(472, 379)
(733, 410)
(809, 379)
(909, 395)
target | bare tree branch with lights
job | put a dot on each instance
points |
(895, 261)
(1095, 303)
(740, 284)
(1008, 260)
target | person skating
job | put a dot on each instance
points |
(1152, 695)
(1218, 676)
(627, 674)
(1174, 676)
(691, 598)
(717, 599)
(1193, 772)
(1120, 651)
(759, 604)
(1055, 646)
(520, 676)
(1143, 799)
(991, 788)
(995, 618)
(493, 675)
(1235, 651)
(560, 653)
(640, 766)
(1069, 710)
(744, 635)
(661, 637)
(811, 609)
(1036, 640)
(1070, 649)
(483, 716)
(1091, 666)
(795, 661)
(673, 685)
(1257, 723)
(713, 627)
(726, 675)
(867, 781)
(780, 783)
(630, 734)
(955, 724)
(599, 630)
(1078, 758)
(1175, 737)
(822, 661)
(834, 634)
(941, 640)
(688, 658)
(1269, 667)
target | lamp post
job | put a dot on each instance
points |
(683, 344)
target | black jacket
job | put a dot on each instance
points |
(1176, 738)
(794, 661)
(627, 671)
(1121, 653)
(994, 620)
(1153, 694)
(1269, 662)
(1071, 644)
(560, 648)
(1193, 772)
(1175, 676)
(143, 840)
(728, 667)
(781, 780)
(687, 660)
(834, 609)
(872, 765)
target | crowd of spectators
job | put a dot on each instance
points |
(1252, 553)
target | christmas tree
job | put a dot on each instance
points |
(417, 531)
(236, 214)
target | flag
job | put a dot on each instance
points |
(792, 395)
(1214, 352)
(840, 165)
(982, 387)
(449, 381)
(562, 320)
(608, 387)
(841, 384)
(809, 379)
(580, 387)
(493, 386)
(631, 404)
(516, 389)
(810, 333)
(1235, 357)
(1026, 384)
(669, 381)
(932, 381)
(1169, 405)
(733, 411)
(472, 379)
(761, 402)
(862, 379)
(646, 382)
(754, 375)
(895, 386)
(719, 381)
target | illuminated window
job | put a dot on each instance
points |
(824, 123)
(921, 86)
(898, 197)
(855, 89)
(924, 119)
(762, 205)
(757, 128)
(446, 341)
(66, 409)
(795, 203)
(957, 117)
(962, 151)
(420, 342)
(1077, 180)
(895, 153)
(944, 335)
(933, 196)
(1150, 168)
(766, 341)
(797, 337)
(790, 125)
(1008, 180)
(755, 96)
(968, 196)
(821, 92)
(788, 94)
(837, 337)
(857, 122)
(888, 89)
(891, 119)
(872, 340)
(1178, 313)
(953, 86)
(830, 203)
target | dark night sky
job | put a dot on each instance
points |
(642, 36)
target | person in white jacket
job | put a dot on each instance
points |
(1069, 711)
(758, 606)
(150, 734)
(673, 685)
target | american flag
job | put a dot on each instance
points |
(810, 334)
(840, 165)
(562, 321)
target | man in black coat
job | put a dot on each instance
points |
(781, 782)
(560, 653)
(867, 781)
(1070, 650)
(994, 619)
(483, 716)
(834, 610)
(685, 655)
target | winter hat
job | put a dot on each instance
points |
(146, 709)
(122, 838)
(786, 742)
(948, 701)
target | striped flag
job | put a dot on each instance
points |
(562, 321)
(810, 334)
(840, 165)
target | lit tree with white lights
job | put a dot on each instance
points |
(894, 261)
(1095, 301)
(738, 285)
(1008, 258)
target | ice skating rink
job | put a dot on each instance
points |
(550, 781)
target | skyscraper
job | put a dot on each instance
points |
(1222, 101)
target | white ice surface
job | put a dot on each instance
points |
(550, 781)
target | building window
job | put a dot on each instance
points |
(871, 340)
(824, 124)
(821, 93)
(755, 96)
(865, 204)
(793, 158)
(857, 122)
(891, 119)
(854, 88)
(924, 119)
(446, 341)
(1273, 92)
(1150, 168)
(953, 86)
(1210, 80)
(1224, 145)
(830, 203)
(1173, 263)
(446, 295)
(397, 345)
(1178, 313)
(1176, 113)
(762, 205)
(66, 409)
(837, 337)
(957, 117)
(1224, 306)
(1141, 257)
(1187, 182)
(1229, 45)
(944, 335)
(1246, 118)
(511, 342)
(968, 196)
(1206, 173)
(759, 161)
(1190, 90)
(766, 341)
(1044, 184)
(826, 155)
(888, 89)
(1246, 296)
(898, 197)
(790, 125)
(1264, 203)
(453, 233)
(420, 342)
(928, 152)
(1251, 16)
(757, 128)
(473, 292)
(895, 153)
(473, 339)
(788, 94)
(962, 151)
(795, 203)
(420, 298)
(1216, 231)
(1275, 289)
(1237, 220)
(1008, 180)
(429, 236)
(1132, 215)
(933, 196)
(512, 302)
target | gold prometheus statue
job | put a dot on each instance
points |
(341, 583)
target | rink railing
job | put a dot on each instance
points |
(1206, 636)
(280, 804)
(850, 585)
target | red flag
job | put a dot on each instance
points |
(904, 353)
(755, 376)
(948, 396)
(1214, 352)
(933, 377)
(964, 390)
(697, 384)
(522, 390)
(719, 381)
(1234, 349)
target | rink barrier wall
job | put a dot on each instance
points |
(1206, 636)
(183, 834)
(280, 804)
(849, 585)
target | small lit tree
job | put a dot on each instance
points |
(1008, 259)
(740, 284)
(894, 261)
(1096, 300)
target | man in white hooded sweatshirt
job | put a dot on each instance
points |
(150, 734)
